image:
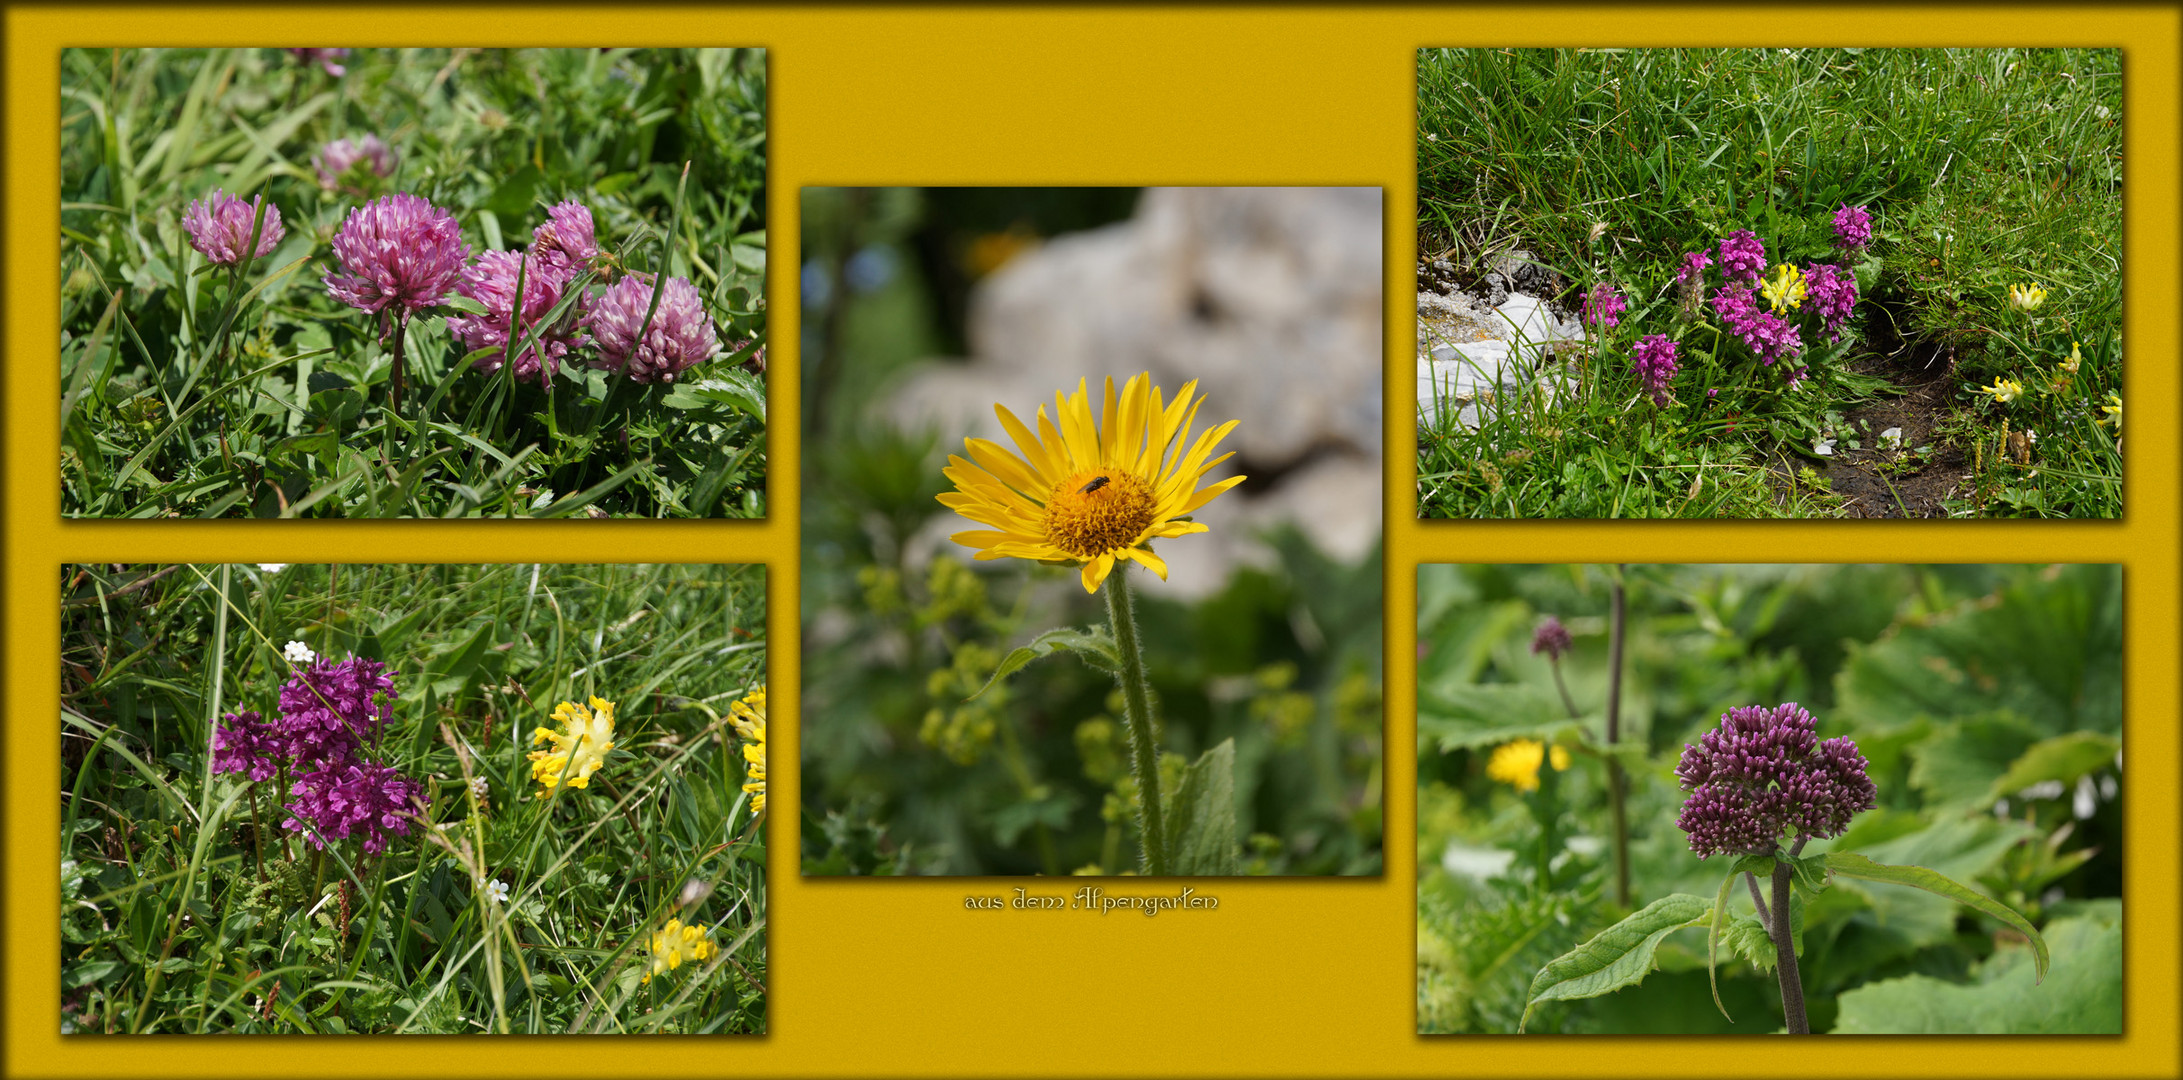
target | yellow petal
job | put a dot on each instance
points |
(1095, 571)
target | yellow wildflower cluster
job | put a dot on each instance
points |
(2003, 390)
(579, 748)
(1517, 763)
(1786, 290)
(749, 718)
(676, 943)
(2026, 297)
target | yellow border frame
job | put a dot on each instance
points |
(1288, 977)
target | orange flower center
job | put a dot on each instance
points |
(1097, 511)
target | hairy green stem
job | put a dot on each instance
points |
(1143, 739)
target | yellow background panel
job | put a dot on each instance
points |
(1287, 977)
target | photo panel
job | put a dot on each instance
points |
(1769, 283)
(292, 281)
(1635, 783)
(1092, 545)
(413, 799)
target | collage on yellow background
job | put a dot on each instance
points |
(977, 447)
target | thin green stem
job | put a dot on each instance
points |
(1615, 780)
(1143, 739)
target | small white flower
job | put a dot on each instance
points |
(2101, 111)
(299, 653)
(272, 567)
(497, 891)
(479, 787)
(694, 891)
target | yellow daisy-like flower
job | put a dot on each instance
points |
(749, 718)
(1786, 290)
(1517, 763)
(1089, 492)
(2113, 409)
(676, 943)
(579, 748)
(2003, 390)
(2026, 297)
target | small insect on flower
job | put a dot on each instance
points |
(2003, 390)
(579, 748)
(2026, 297)
(676, 943)
(1097, 482)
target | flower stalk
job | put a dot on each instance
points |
(1137, 713)
(1792, 983)
(1615, 779)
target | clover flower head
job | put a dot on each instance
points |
(399, 254)
(1763, 773)
(1852, 228)
(1517, 763)
(491, 281)
(364, 799)
(748, 717)
(1832, 294)
(1654, 364)
(219, 227)
(566, 237)
(479, 787)
(2027, 296)
(245, 744)
(1603, 307)
(1743, 257)
(1551, 638)
(681, 335)
(1785, 290)
(330, 709)
(334, 160)
(2003, 391)
(297, 652)
(579, 748)
(324, 58)
(1093, 492)
(674, 944)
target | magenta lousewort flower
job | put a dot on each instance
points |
(335, 159)
(1832, 295)
(245, 744)
(566, 238)
(681, 335)
(1551, 638)
(399, 254)
(1603, 307)
(1692, 276)
(324, 58)
(491, 282)
(351, 799)
(331, 709)
(1743, 257)
(1852, 228)
(1654, 364)
(1764, 772)
(1767, 335)
(219, 227)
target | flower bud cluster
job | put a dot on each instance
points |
(1765, 773)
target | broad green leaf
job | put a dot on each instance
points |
(512, 199)
(2082, 994)
(1095, 646)
(1959, 763)
(1618, 956)
(1463, 717)
(1201, 816)
(1963, 848)
(2064, 758)
(1851, 864)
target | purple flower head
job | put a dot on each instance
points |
(335, 159)
(353, 799)
(1767, 335)
(331, 709)
(681, 335)
(243, 743)
(1852, 228)
(1603, 307)
(1832, 295)
(566, 238)
(1763, 773)
(1654, 364)
(1551, 638)
(491, 282)
(324, 58)
(1743, 258)
(1692, 276)
(219, 227)
(400, 253)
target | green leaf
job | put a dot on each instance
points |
(1618, 956)
(1095, 646)
(2064, 758)
(1851, 864)
(1464, 717)
(1957, 765)
(1713, 940)
(513, 197)
(2081, 996)
(1201, 816)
